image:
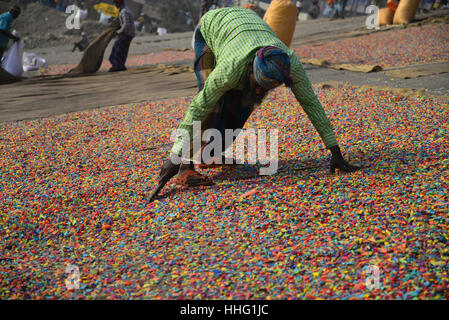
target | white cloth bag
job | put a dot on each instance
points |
(12, 62)
(33, 62)
(161, 31)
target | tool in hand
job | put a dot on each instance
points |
(168, 171)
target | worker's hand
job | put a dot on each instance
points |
(16, 38)
(168, 169)
(338, 162)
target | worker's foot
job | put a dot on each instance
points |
(191, 178)
(116, 69)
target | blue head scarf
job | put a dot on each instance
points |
(272, 65)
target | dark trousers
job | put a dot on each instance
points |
(230, 112)
(119, 52)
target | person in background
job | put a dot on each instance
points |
(207, 5)
(440, 4)
(299, 6)
(61, 5)
(250, 5)
(314, 10)
(82, 44)
(139, 24)
(5, 28)
(126, 33)
(188, 18)
(330, 10)
(340, 9)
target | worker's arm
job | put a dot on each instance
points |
(122, 23)
(125, 21)
(9, 35)
(304, 93)
(217, 84)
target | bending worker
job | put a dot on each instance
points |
(239, 60)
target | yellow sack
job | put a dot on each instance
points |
(385, 16)
(108, 9)
(406, 11)
(281, 17)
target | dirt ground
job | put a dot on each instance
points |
(39, 97)
(46, 96)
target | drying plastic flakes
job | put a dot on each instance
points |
(389, 49)
(76, 223)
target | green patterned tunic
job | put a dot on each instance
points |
(234, 35)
